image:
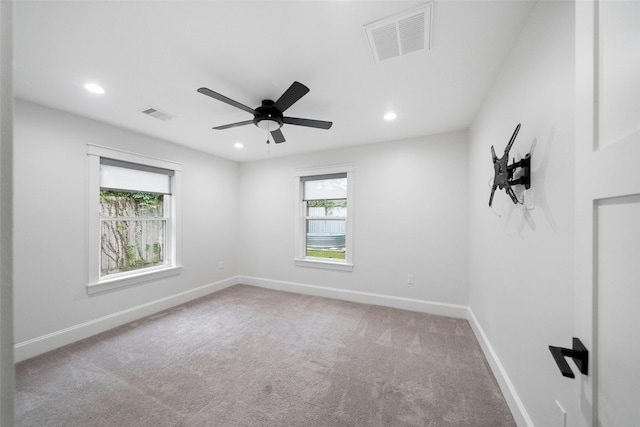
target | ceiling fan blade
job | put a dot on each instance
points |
(307, 122)
(216, 95)
(277, 135)
(296, 91)
(233, 125)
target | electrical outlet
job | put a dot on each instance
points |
(560, 416)
(410, 279)
(220, 265)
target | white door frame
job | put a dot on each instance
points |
(584, 209)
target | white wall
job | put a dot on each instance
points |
(51, 228)
(410, 217)
(521, 264)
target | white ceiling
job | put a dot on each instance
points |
(157, 53)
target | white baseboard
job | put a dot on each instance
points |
(33, 347)
(516, 406)
(442, 309)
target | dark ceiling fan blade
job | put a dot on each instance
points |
(296, 91)
(216, 95)
(233, 125)
(277, 135)
(307, 122)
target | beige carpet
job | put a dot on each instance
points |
(247, 356)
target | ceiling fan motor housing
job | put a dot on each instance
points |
(267, 116)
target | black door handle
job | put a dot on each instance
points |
(578, 353)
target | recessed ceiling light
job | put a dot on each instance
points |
(238, 145)
(390, 116)
(94, 88)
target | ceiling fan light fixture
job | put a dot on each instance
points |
(269, 124)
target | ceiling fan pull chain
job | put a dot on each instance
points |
(268, 144)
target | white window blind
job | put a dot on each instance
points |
(124, 176)
(327, 187)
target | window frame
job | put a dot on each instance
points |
(300, 257)
(173, 231)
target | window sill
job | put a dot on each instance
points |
(328, 265)
(132, 279)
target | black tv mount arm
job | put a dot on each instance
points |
(503, 173)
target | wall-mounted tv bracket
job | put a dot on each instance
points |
(578, 353)
(503, 173)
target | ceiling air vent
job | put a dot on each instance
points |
(400, 34)
(161, 115)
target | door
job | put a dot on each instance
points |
(607, 287)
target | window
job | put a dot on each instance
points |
(133, 218)
(323, 229)
(325, 204)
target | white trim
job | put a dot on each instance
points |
(323, 170)
(140, 276)
(33, 347)
(514, 402)
(93, 219)
(173, 223)
(439, 308)
(131, 157)
(327, 218)
(175, 220)
(320, 263)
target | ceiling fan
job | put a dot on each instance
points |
(268, 116)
